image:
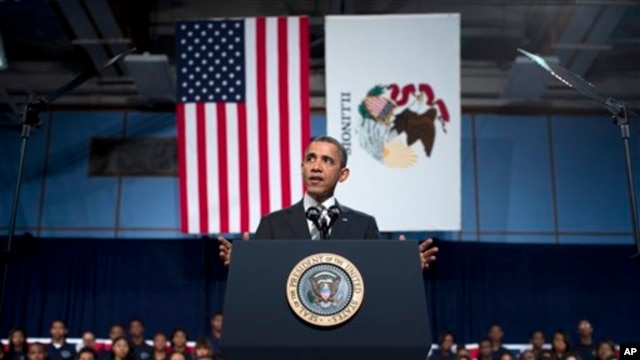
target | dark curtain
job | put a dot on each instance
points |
(93, 284)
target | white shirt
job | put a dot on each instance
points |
(308, 202)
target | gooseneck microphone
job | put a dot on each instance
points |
(319, 219)
(313, 214)
(334, 215)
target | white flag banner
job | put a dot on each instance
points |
(393, 100)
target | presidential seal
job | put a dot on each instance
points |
(325, 289)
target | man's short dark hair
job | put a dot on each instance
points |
(136, 319)
(64, 324)
(87, 350)
(341, 149)
(217, 313)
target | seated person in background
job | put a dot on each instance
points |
(585, 347)
(559, 345)
(17, 345)
(122, 349)
(37, 351)
(88, 341)
(86, 353)
(495, 335)
(202, 350)
(527, 355)
(59, 349)
(445, 344)
(177, 356)
(484, 350)
(507, 356)
(572, 356)
(142, 350)
(216, 332)
(606, 350)
(179, 343)
(160, 347)
(462, 353)
(537, 342)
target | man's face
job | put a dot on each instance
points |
(88, 339)
(159, 342)
(136, 329)
(485, 349)
(58, 331)
(17, 338)
(216, 323)
(495, 333)
(537, 340)
(115, 332)
(447, 342)
(85, 355)
(321, 170)
(584, 328)
(36, 352)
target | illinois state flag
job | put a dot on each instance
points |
(243, 119)
(393, 99)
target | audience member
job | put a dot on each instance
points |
(87, 353)
(17, 345)
(122, 349)
(606, 350)
(216, 332)
(560, 345)
(484, 350)
(572, 356)
(142, 350)
(88, 341)
(527, 355)
(202, 350)
(37, 351)
(495, 335)
(462, 351)
(445, 343)
(537, 342)
(59, 349)
(179, 343)
(585, 347)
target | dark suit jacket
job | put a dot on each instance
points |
(291, 224)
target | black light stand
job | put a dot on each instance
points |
(620, 114)
(30, 118)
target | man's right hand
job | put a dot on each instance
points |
(226, 247)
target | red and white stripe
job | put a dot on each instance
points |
(240, 161)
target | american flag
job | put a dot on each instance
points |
(243, 119)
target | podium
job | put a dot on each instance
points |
(330, 299)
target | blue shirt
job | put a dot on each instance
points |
(65, 352)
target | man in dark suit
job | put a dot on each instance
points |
(323, 167)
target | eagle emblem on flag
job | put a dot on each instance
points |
(399, 123)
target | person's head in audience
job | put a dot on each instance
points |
(560, 344)
(37, 351)
(177, 356)
(484, 349)
(537, 340)
(572, 356)
(606, 350)
(495, 334)
(122, 349)
(136, 330)
(546, 355)
(507, 356)
(216, 323)
(585, 331)
(89, 340)
(462, 351)
(116, 331)
(159, 354)
(445, 342)
(17, 341)
(160, 341)
(179, 340)
(58, 331)
(203, 349)
(86, 353)
(527, 355)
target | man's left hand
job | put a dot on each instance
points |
(427, 255)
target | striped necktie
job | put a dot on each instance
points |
(315, 232)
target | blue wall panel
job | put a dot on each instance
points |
(72, 199)
(591, 178)
(514, 173)
(467, 163)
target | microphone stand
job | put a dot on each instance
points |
(620, 115)
(30, 118)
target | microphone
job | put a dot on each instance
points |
(313, 214)
(334, 214)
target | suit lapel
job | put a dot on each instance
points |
(297, 221)
(339, 230)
